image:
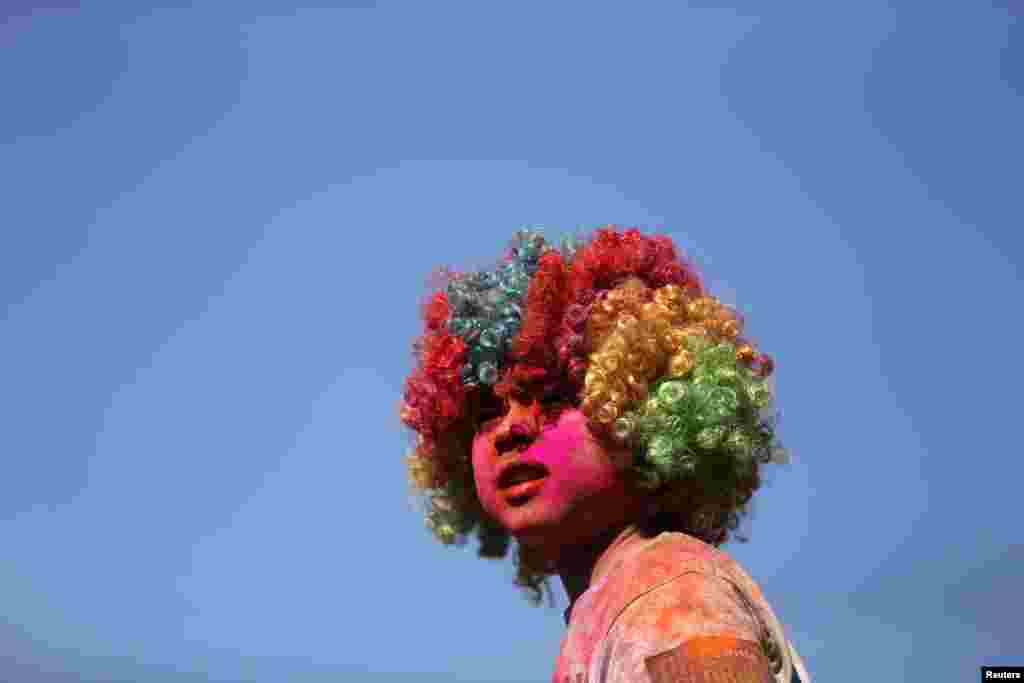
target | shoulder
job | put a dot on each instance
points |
(691, 605)
(670, 590)
(694, 617)
(677, 574)
(660, 565)
(685, 597)
(661, 559)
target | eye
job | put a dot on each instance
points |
(522, 396)
(553, 404)
(557, 396)
(491, 408)
(554, 396)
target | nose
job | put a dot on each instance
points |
(518, 429)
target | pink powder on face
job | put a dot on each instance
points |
(577, 464)
(582, 488)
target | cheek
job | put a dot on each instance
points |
(483, 475)
(580, 467)
(559, 448)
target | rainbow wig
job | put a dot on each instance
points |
(619, 327)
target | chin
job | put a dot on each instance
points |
(531, 528)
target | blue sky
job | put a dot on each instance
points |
(217, 223)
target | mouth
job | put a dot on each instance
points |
(520, 481)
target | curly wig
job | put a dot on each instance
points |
(622, 328)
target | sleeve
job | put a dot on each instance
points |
(693, 628)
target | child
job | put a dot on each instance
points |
(595, 404)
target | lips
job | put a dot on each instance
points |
(521, 481)
(520, 473)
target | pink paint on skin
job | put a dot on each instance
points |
(582, 495)
(577, 461)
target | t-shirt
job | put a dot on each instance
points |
(651, 595)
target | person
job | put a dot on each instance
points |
(595, 406)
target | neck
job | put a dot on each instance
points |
(585, 563)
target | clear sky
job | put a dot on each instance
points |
(216, 225)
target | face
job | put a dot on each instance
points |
(546, 478)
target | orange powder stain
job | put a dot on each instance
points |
(666, 620)
(710, 646)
